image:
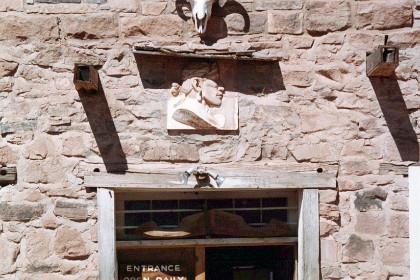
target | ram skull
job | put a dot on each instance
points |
(201, 12)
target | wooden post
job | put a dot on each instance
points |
(106, 234)
(308, 243)
(200, 263)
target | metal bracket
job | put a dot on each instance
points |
(382, 61)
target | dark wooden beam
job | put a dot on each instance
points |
(7, 175)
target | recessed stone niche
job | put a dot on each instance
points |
(203, 93)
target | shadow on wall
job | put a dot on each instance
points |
(216, 26)
(395, 111)
(247, 77)
(104, 131)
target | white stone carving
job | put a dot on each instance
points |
(201, 12)
(201, 104)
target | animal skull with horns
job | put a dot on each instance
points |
(201, 12)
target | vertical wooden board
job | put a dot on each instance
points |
(106, 234)
(309, 235)
(414, 219)
(200, 263)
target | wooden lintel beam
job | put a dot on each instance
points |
(244, 180)
(8, 175)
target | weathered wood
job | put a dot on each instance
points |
(209, 54)
(106, 235)
(200, 263)
(265, 180)
(226, 170)
(8, 175)
(308, 243)
(394, 169)
(414, 219)
(211, 242)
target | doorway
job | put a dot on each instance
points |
(250, 263)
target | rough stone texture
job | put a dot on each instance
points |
(388, 15)
(358, 249)
(19, 212)
(89, 26)
(285, 22)
(24, 27)
(70, 244)
(71, 210)
(313, 106)
(327, 16)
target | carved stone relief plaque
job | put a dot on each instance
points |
(200, 103)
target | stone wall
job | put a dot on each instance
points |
(318, 106)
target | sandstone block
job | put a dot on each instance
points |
(329, 252)
(396, 253)
(327, 196)
(311, 152)
(383, 15)
(89, 26)
(164, 25)
(6, 85)
(399, 202)
(20, 211)
(355, 167)
(329, 211)
(405, 39)
(69, 244)
(358, 250)
(9, 251)
(49, 221)
(73, 145)
(217, 152)
(11, 5)
(264, 5)
(285, 22)
(236, 23)
(166, 151)
(24, 27)
(274, 151)
(153, 8)
(7, 68)
(127, 6)
(327, 16)
(298, 78)
(398, 225)
(72, 210)
(371, 223)
(7, 156)
(50, 170)
(327, 227)
(317, 121)
(40, 148)
(62, 9)
(38, 247)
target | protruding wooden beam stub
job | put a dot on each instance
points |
(382, 61)
(8, 176)
(86, 77)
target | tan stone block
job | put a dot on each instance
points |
(396, 252)
(318, 121)
(398, 225)
(153, 8)
(89, 26)
(164, 25)
(20, 211)
(329, 252)
(405, 39)
(289, 22)
(383, 15)
(311, 152)
(7, 68)
(399, 202)
(126, 6)
(327, 16)
(11, 5)
(61, 8)
(373, 222)
(165, 151)
(38, 247)
(25, 27)
(41, 148)
(73, 144)
(9, 251)
(329, 211)
(69, 244)
(49, 221)
(218, 153)
(265, 5)
(7, 156)
(328, 196)
(327, 227)
(298, 78)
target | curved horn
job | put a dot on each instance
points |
(222, 2)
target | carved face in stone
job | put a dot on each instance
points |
(201, 12)
(212, 93)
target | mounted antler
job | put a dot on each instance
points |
(201, 12)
